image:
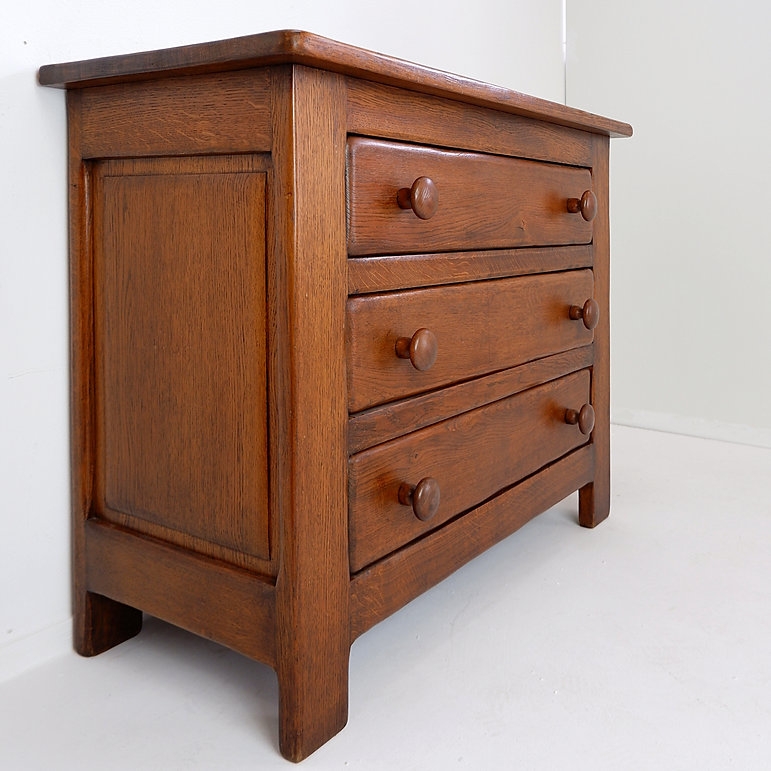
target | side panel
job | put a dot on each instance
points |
(180, 348)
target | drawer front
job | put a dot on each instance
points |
(471, 457)
(477, 328)
(483, 201)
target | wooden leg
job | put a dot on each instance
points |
(100, 624)
(593, 504)
(309, 409)
(594, 498)
(313, 702)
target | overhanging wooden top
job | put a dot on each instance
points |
(295, 47)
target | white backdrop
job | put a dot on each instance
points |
(515, 43)
(691, 234)
(691, 226)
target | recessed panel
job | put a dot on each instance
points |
(181, 348)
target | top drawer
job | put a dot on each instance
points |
(481, 201)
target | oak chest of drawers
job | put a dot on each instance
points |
(339, 324)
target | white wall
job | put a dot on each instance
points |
(691, 227)
(515, 43)
(691, 255)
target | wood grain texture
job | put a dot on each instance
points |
(379, 424)
(294, 46)
(479, 327)
(242, 429)
(383, 588)
(431, 120)
(215, 600)
(224, 113)
(181, 348)
(313, 584)
(472, 457)
(594, 499)
(485, 201)
(99, 623)
(402, 271)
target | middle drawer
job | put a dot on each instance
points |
(472, 329)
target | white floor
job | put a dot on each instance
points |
(644, 644)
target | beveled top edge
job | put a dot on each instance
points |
(297, 47)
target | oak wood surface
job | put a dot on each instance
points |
(99, 623)
(594, 498)
(312, 617)
(223, 113)
(180, 348)
(382, 588)
(433, 120)
(471, 456)
(484, 201)
(479, 327)
(211, 598)
(298, 47)
(388, 421)
(216, 355)
(402, 271)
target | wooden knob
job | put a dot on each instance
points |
(422, 198)
(423, 497)
(583, 417)
(420, 349)
(590, 313)
(586, 204)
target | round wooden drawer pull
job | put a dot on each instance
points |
(589, 314)
(423, 497)
(583, 417)
(586, 204)
(422, 198)
(420, 349)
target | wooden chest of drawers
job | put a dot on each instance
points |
(339, 324)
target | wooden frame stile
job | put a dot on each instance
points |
(309, 398)
(99, 623)
(594, 498)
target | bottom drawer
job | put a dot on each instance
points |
(467, 459)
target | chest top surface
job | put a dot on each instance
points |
(304, 48)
